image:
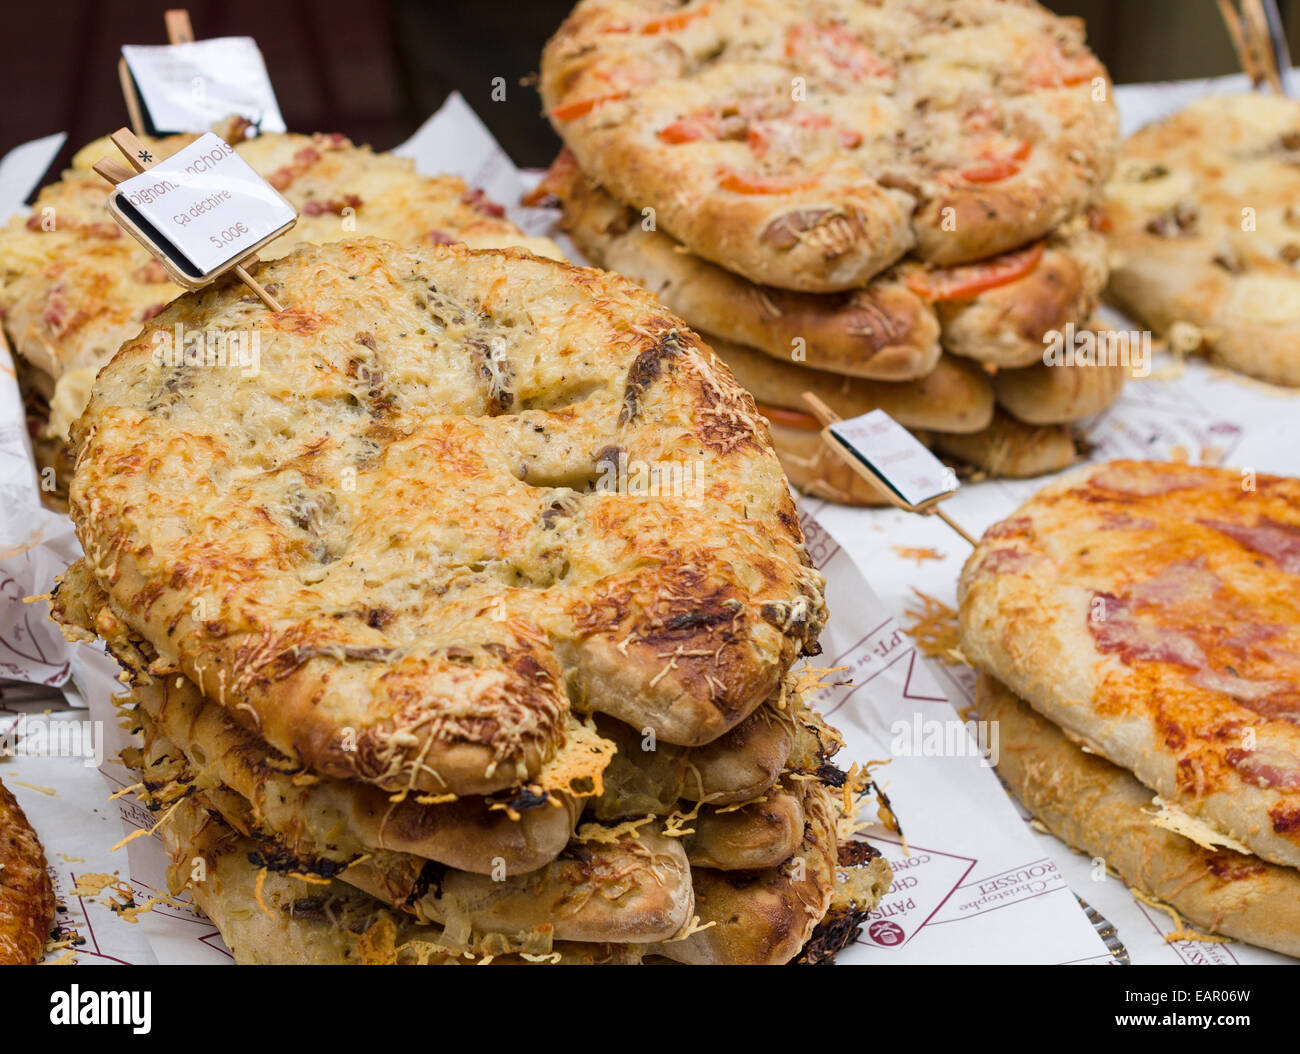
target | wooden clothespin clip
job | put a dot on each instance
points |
(894, 461)
(275, 214)
(1259, 39)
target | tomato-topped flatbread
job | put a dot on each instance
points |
(809, 147)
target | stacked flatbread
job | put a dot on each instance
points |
(1137, 629)
(416, 679)
(888, 205)
(1203, 217)
(74, 285)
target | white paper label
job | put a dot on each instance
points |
(189, 87)
(897, 456)
(207, 202)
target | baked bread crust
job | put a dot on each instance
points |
(630, 887)
(269, 918)
(296, 816)
(811, 153)
(956, 396)
(1151, 610)
(1058, 394)
(1204, 229)
(884, 331)
(1011, 449)
(1099, 809)
(1006, 325)
(26, 894)
(765, 917)
(374, 629)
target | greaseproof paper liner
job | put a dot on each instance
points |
(974, 882)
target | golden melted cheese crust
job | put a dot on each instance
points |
(74, 286)
(26, 895)
(1153, 611)
(1204, 211)
(810, 146)
(407, 542)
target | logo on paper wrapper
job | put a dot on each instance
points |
(207, 205)
(885, 933)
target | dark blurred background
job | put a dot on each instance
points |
(374, 69)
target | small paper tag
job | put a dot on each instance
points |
(896, 457)
(208, 204)
(189, 87)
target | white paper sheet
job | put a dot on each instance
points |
(975, 883)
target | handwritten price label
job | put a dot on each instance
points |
(188, 87)
(895, 457)
(206, 205)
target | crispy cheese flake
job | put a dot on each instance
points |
(1180, 932)
(92, 884)
(692, 927)
(435, 799)
(809, 680)
(579, 768)
(257, 894)
(675, 824)
(143, 831)
(125, 790)
(907, 552)
(934, 628)
(34, 787)
(601, 835)
(1169, 817)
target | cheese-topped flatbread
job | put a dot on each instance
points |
(26, 894)
(74, 286)
(459, 493)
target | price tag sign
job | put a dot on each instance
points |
(201, 211)
(892, 457)
(189, 87)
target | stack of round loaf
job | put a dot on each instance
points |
(888, 205)
(405, 638)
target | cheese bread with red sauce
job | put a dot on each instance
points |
(1152, 610)
(1103, 811)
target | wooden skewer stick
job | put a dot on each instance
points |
(179, 29)
(1233, 23)
(133, 111)
(826, 416)
(1251, 32)
(141, 159)
(1261, 34)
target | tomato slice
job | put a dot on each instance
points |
(1100, 220)
(969, 280)
(689, 130)
(672, 23)
(780, 415)
(581, 107)
(742, 184)
(819, 43)
(996, 168)
(1050, 68)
